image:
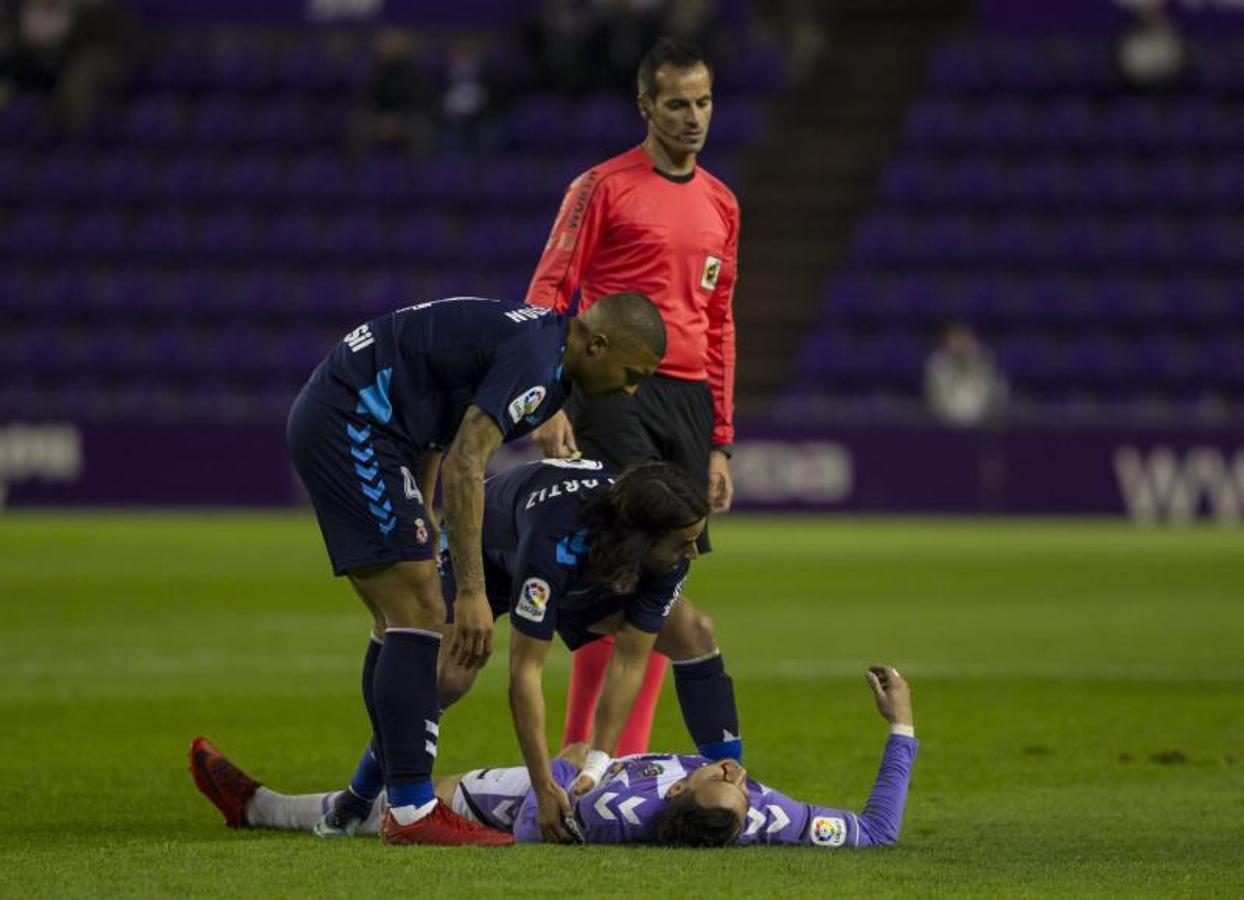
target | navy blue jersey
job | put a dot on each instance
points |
(532, 532)
(413, 372)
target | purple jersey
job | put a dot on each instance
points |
(627, 804)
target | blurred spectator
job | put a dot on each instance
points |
(555, 38)
(622, 32)
(962, 385)
(797, 26)
(77, 50)
(399, 106)
(38, 42)
(99, 55)
(469, 96)
(697, 22)
(1153, 52)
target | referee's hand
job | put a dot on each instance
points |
(720, 484)
(555, 438)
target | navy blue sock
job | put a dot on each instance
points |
(375, 751)
(706, 695)
(407, 706)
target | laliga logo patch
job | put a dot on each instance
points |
(526, 403)
(828, 831)
(533, 600)
(712, 269)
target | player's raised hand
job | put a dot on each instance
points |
(555, 438)
(892, 694)
(552, 812)
(472, 630)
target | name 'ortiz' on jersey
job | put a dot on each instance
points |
(413, 372)
(625, 806)
(536, 548)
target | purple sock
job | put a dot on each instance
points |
(408, 709)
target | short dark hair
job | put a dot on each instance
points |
(645, 504)
(685, 823)
(668, 51)
(631, 316)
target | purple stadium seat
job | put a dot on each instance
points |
(227, 234)
(156, 119)
(294, 235)
(424, 238)
(318, 177)
(161, 234)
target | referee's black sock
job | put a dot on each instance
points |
(706, 695)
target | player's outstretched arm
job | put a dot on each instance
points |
(527, 655)
(882, 817)
(778, 819)
(462, 473)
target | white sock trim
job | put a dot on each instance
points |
(699, 659)
(435, 635)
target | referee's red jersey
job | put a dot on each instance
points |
(625, 226)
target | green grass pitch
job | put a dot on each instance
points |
(1079, 695)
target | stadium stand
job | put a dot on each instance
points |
(1090, 232)
(195, 252)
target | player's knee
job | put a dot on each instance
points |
(703, 635)
(452, 683)
(697, 636)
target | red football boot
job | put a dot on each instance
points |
(220, 781)
(441, 826)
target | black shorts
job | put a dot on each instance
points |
(367, 503)
(667, 420)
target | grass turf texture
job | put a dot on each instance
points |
(1079, 695)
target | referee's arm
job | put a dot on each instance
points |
(571, 246)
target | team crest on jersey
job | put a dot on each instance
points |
(652, 770)
(712, 269)
(828, 831)
(526, 403)
(533, 599)
(421, 531)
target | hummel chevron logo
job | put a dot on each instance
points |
(359, 435)
(382, 510)
(369, 473)
(374, 493)
(626, 807)
(362, 454)
(779, 821)
(755, 819)
(504, 811)
(386, 527)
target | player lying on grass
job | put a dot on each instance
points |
(572, 550)
(664, 799)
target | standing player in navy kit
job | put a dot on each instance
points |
(651, 220)
(463, 374)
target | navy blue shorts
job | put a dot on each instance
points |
(369, 507)
(573, 625)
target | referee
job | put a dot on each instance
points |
(651, 220)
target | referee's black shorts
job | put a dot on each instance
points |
(667, 420)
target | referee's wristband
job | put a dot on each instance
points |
(594, 766)
(904, 730)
